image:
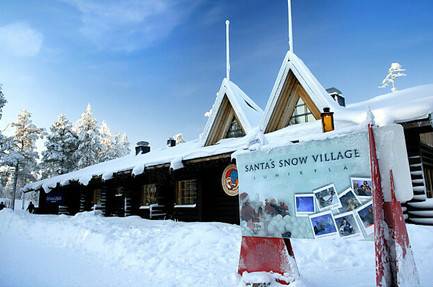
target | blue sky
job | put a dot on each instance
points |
(152, 68)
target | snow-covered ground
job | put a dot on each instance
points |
(89, 250)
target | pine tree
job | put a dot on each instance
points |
(2, 101)
(4, 148)
(121, 145)
(5, 142)
(61, 144)
(107, 148)
(112, 146)
(89, 145)
(24, 154)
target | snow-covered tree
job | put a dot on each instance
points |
(107, 148)
(179, 138)
(23, 154)
(2, 101)
(121, 145)
(112, 146)
(5, 142)
(61, 144)
(89, 144)
(394, 72)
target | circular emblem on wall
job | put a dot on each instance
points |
(230, 181)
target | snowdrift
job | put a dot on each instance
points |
(91, 250)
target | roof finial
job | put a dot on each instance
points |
(289, 11)
(227, 50)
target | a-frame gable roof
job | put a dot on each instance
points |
(245, 110)
(312, 91)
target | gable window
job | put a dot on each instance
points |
(235, 129)
(186, 192)
(301, 113)
(149, 194)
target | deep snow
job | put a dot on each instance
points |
(90, 250)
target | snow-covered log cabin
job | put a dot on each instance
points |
(183, 181)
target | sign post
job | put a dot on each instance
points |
(273, 255)
(326, 188)
(395, 265)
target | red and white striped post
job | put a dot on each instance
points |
(395, 265)
(266, 254)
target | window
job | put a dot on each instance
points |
(149, 194)
(426, 138)
(301, 114)
(235, 129)
(428, 178)
(186, 191)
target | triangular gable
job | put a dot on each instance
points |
(231, 104)
(294, 81)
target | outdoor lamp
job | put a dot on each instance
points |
(327, 120)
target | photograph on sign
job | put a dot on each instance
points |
(362, 187)
(323, 224)
(305, 204)
(366, 217)
(347, 225)
(327, 197)
(349, 201)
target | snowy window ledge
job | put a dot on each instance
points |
(144, 207)
(185, 205)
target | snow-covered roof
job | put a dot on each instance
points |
(246, 110)
(308, 81)
(397, 107)
(137, 163)
(401, 106)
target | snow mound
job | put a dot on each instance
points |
(148, 253)
(91, 250)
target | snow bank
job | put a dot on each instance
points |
(90, 250)
(154, 253)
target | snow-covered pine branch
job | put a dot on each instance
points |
(394, 72)
(89, 144)
(60, 146)
(23, 154)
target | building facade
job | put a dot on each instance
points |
(186, 181)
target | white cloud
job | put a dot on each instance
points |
(20, 39)
(129, 25)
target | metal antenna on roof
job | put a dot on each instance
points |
(289, 12)
(227, 50)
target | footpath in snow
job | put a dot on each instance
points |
(90, 250)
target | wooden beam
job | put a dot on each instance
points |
(209, 158)
(423, 123)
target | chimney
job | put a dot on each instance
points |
(337, 95)
(171, 142)
(142, 147)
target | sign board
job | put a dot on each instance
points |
(318, 188)
(54, 197)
